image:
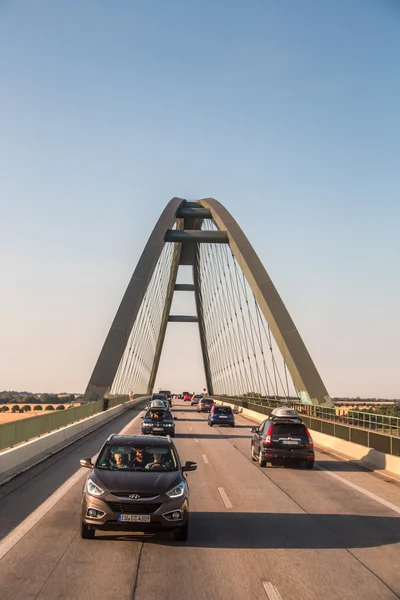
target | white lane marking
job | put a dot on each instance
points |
(205, 459)
(23, 528)
(190, 429)
(358, 488)
(196, 440)
(225, 498)
(271, 591)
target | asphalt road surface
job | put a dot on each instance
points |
(273, 533)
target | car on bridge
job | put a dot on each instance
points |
(205, 405)
(158, 404)
(137, 483)
(187, 397)
(158, 421)
(283, 438)
(196, 399)
(221, 415)
(167, 394)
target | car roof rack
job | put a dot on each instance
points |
(287, 419)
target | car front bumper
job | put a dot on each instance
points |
(158, 431)
(160, 519)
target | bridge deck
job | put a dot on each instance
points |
(306, 533)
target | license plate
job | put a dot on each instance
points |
(290, 442)
(223, 417)
(134, 518)
(158, 429)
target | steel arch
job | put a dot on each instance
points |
(304, 374)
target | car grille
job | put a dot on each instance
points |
(142, 495)
(133, 508)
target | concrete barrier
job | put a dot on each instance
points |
(18, 459)
(362, 455)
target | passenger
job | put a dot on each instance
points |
(121, 461)
(138, 460)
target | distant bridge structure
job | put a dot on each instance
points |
(249, 342)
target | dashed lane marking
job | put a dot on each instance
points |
(225, 498)
(205, 459)
(271, 590)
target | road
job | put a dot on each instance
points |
(273, 533)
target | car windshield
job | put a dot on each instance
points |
(145, 458)
(225, 410)
(158, 414)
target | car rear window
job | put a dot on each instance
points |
(223, 410)
(207, 401)
(285, 429)
(158, 397)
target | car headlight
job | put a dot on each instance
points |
(177, 491)
(94, 489)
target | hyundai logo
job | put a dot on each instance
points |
(134, 496)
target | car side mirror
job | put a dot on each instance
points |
(253, 430)
(142, 416)
(86, 462)
(189, 466)
(175, 418)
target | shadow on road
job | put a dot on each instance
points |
(279, 531)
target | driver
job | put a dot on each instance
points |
(157, 462)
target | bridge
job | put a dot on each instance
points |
(255, 532)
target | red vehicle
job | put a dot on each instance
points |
(187, 397)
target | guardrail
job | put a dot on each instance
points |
(374, 422)
(17, 432)
(379, 432)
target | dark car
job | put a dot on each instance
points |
(196, 399)
(221, 415)
(158, 421)
(136, 484)
(168, 395)
(281, 439)
(205, 405)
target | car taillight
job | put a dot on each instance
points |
(310, 440)
(267, 439)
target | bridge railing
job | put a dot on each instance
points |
(380, 432)
(386, 424)
(17, 432)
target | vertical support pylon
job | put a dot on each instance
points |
(200, 316)
(166, 312)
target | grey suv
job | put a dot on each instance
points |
(281, 439)
(137, 483)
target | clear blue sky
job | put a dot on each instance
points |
(287, 112)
